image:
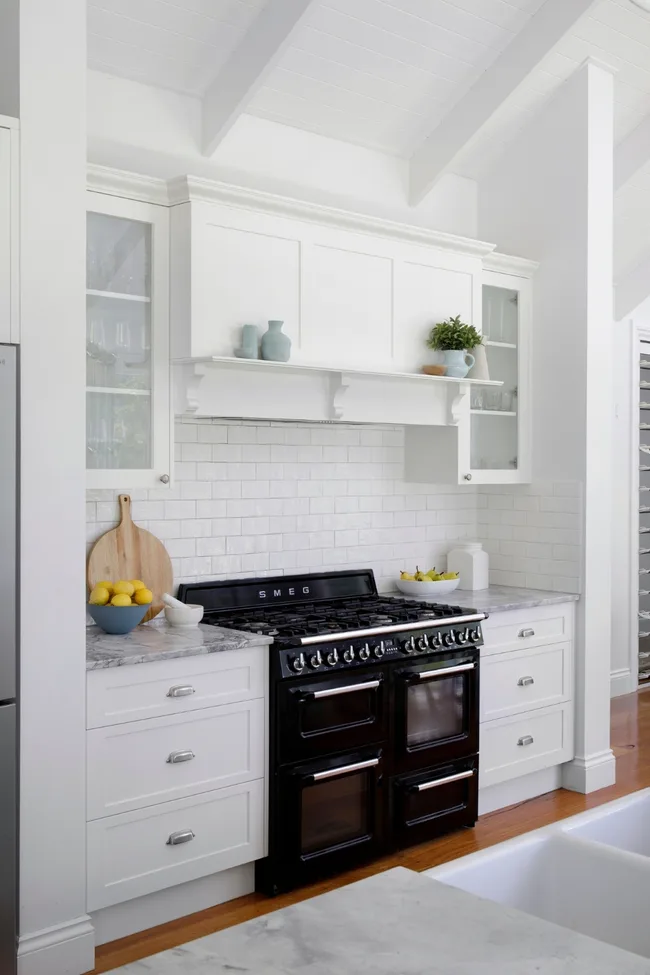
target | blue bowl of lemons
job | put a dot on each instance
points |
(118, 607)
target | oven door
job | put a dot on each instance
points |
(436, 710)
(321, 715)
(329, 818)
(426, 804)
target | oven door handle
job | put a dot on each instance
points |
(444, 671)
(434, 783)
(366, 685)
(331, 773)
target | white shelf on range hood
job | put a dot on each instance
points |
(257, 388)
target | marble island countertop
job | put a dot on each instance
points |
(499, 599)
(159, 641)
(395, 923)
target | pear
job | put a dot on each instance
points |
(449, 575)
(421, 576)
(407, 576)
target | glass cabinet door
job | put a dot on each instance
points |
(127, 394)
(497, 412)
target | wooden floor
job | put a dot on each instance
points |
(631, 744)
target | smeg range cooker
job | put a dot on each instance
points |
(374, 717)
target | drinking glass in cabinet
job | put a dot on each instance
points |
(477, 398)
(118, 343)
(118, 430)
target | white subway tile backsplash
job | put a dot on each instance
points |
(258, 498)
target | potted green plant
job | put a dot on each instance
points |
(453, 338)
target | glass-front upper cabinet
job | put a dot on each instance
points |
(128, 419)
(500, 415)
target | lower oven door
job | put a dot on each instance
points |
(320, 715)
(436, 710)
(328, 817)
(433, 802)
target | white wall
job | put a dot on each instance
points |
(55, 935)
(551, 198)
(148, 130)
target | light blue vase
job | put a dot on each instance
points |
(457, 363)
(249, 348)
(276, 346)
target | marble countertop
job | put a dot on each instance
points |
(395, 923)
(498, 599)
(159, 641)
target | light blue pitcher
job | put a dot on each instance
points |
(458, 363)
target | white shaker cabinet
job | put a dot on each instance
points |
(128, 412)
(9, 281)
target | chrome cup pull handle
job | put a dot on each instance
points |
(175, 758)
(527, 632)
(526, 740)
(180, 836)
(181, 690)
(525, 681)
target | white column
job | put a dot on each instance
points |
(56, 936)
(551, 198)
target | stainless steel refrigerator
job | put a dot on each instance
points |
(8, 657)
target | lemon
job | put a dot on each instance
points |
(123, 588)
(143, 597)
(121, 599)
(105, 585)
(137, 584)
(99, 596)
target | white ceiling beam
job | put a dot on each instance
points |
(248, 67)
(464, 121)
(632, 288)
(632, 153)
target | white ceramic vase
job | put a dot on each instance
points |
(480, 369)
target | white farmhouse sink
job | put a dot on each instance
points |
(590, 873)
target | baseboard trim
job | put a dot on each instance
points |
(141, 913)
(591, 773)
(63, 949)
(622, 682)
(519, 790)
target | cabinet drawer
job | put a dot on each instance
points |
(145, 762)
(524, 680)
(507, 750)
(523, 628)
(151, 690)
(130, 855)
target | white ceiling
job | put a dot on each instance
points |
(381, 73)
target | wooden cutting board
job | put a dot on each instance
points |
(129, 552)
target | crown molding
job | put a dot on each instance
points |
(131, 186)
(508, 264)
(188, 189)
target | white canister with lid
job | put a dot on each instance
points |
(472, 565)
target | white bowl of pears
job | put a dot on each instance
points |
(429, 583)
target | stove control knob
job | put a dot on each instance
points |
(315, 660)
(463, 636)
(298, 663)
(348, 655)
(423, 642)
(332, 657)
(364, 652)
(379, 650)
(409, 645)
(448, 639)
(475, 635)
(436, 641)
